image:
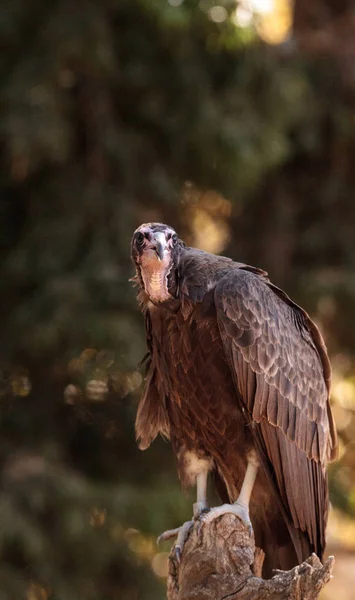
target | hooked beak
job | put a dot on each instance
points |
(160, 245)
(159, 249)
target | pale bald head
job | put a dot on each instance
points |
(154, 252)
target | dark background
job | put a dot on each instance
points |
(236, 130)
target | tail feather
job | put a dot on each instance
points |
(279, 547)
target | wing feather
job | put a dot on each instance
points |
(282, 374)
(152, 417)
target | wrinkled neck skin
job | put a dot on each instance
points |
(154, 274)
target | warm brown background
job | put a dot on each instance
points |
(214, 117)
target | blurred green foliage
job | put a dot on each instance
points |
(111, 111)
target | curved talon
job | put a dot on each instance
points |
(181, 534)
(204, 511)
(167, 535)
(200, 523)
(199, 508)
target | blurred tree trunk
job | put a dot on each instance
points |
(221, 562)
(327, 27)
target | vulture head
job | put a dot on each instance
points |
(155, 252)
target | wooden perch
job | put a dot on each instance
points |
(221, 562)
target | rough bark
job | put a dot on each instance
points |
(220, 562)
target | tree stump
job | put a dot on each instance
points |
(221, 562)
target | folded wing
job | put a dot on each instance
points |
(282, 376)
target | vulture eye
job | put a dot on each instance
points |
(140, 239)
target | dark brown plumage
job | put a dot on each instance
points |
(236, 368)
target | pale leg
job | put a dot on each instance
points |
(240, 507)
(199, 507)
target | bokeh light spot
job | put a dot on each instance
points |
(218, 14)
(20, 385)
(35, 591)
(98, 517)
(272, 18)
(160, 564)
(242, 16)
(343, 392)
(96, 390)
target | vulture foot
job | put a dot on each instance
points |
(199, 508)
(181, 534)
(238, 509)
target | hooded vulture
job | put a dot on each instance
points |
(238, 379)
